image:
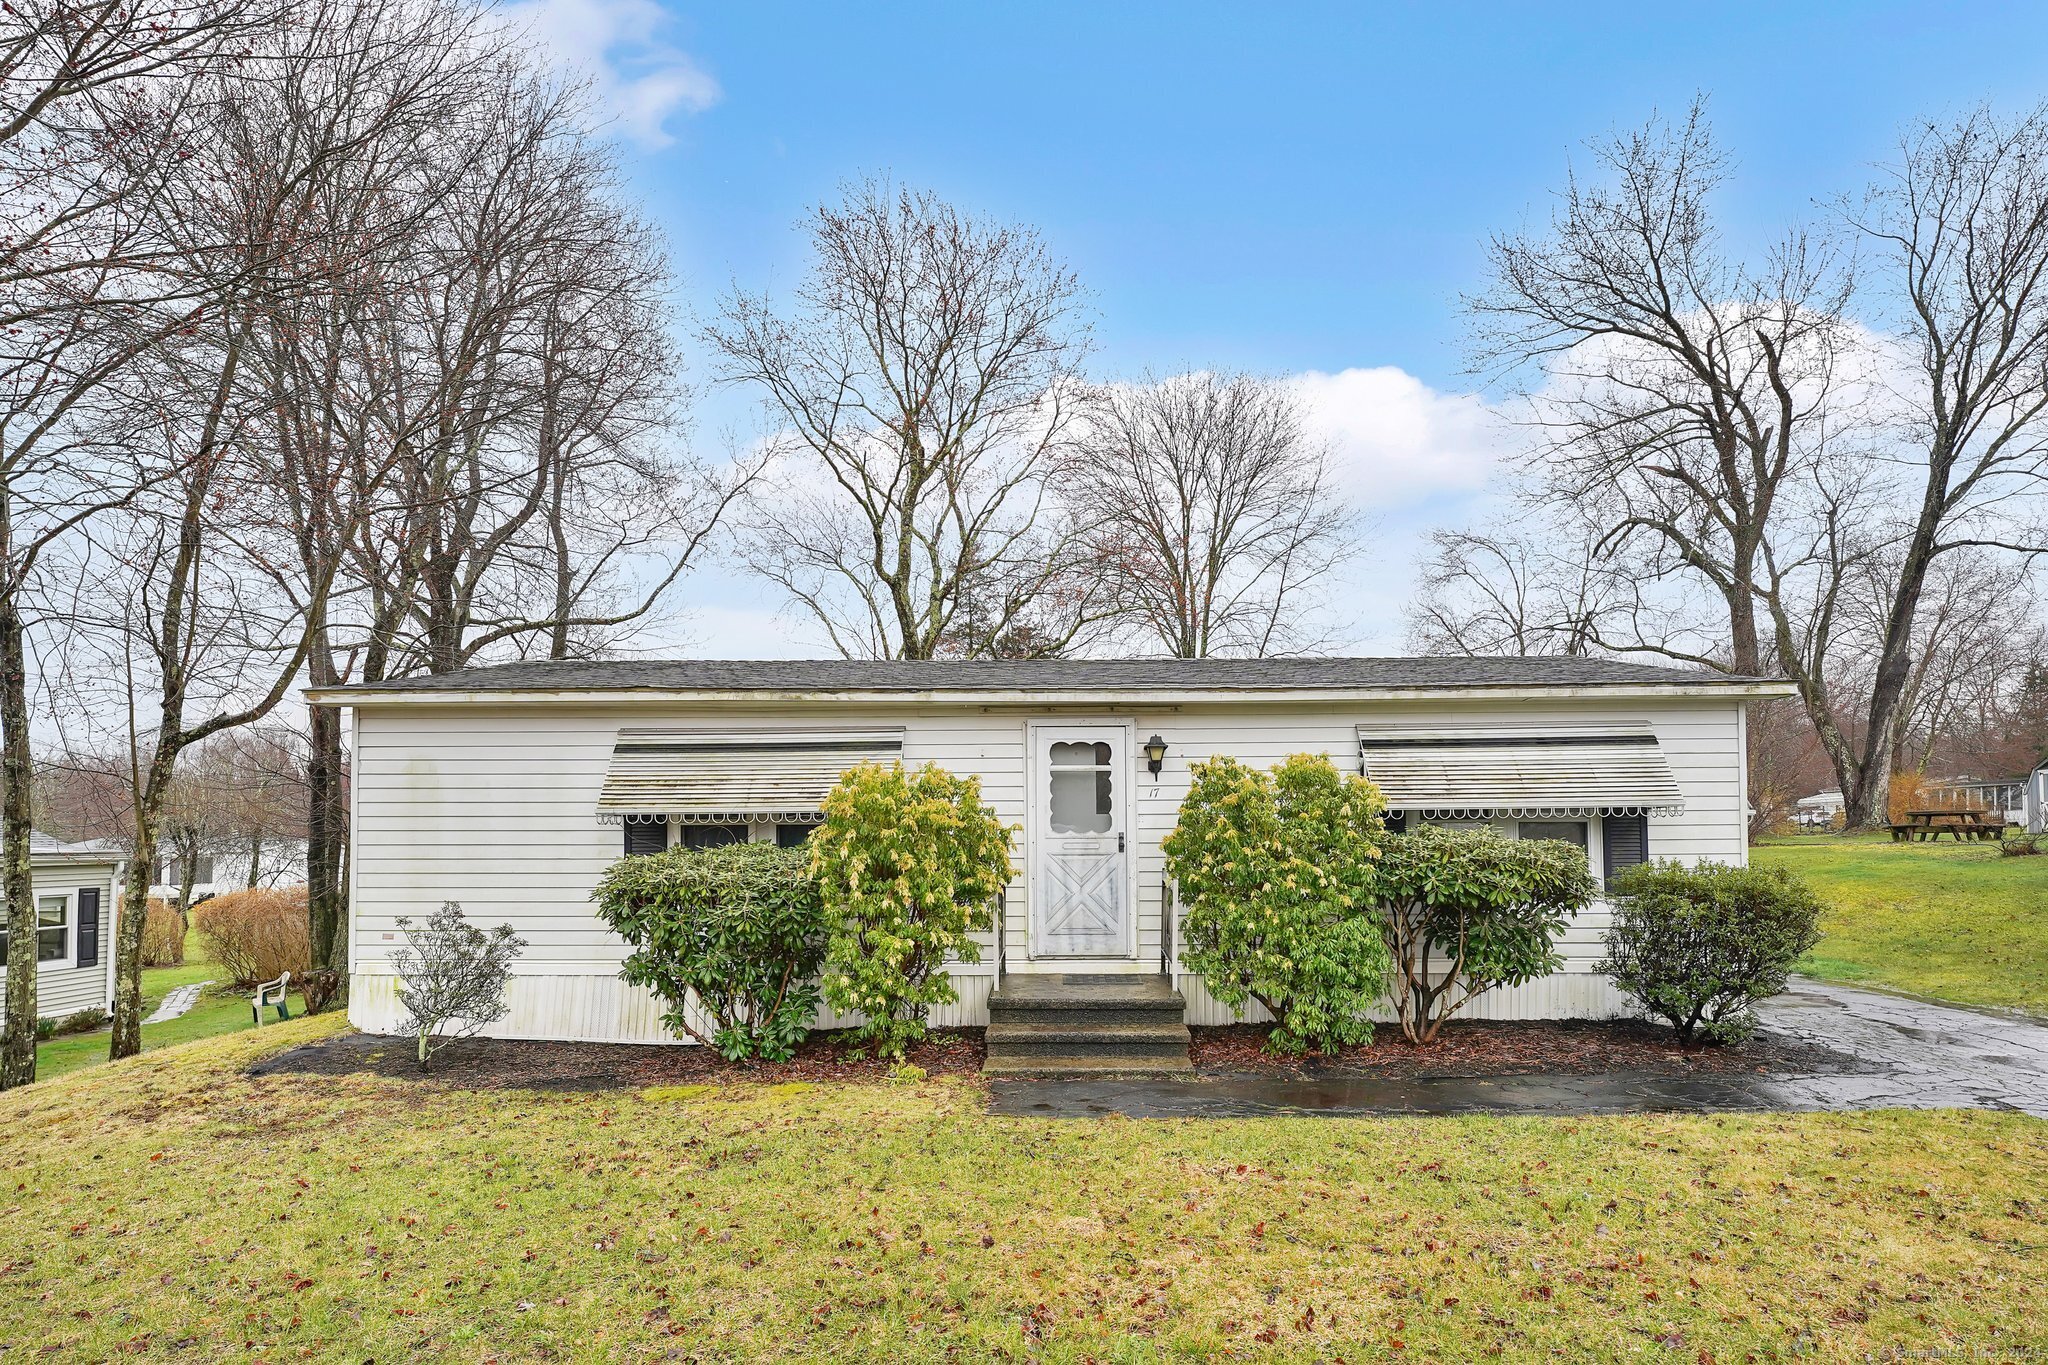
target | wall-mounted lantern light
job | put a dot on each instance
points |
(1155, 754)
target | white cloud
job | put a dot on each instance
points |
(1408, 458)
(623, 47)
(1397, 443)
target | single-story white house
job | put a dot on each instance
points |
(510, 789)
(76, 899)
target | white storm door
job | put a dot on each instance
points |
(1080, 804)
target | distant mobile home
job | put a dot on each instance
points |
(73, 941)
(510, 789)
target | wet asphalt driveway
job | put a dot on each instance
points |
(1903, 1054)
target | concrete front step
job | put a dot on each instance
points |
(1086, 1066)
(1079, 1024)
(1086, 1001)
(1063, 1039)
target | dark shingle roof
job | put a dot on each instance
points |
(1133, 675)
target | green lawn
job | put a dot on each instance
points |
(171, 1206)
(1954, 921)
(219, 1010)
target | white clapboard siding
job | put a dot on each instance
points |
(494, 806)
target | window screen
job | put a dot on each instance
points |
(1569, 831)
(645, 836)
(713, 836)
(1626, 840)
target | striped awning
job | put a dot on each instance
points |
(734, 775)
(1552, 770)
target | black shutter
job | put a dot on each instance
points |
(646, 836)
(88, 926)
(1626, 841)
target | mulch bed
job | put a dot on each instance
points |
(1466, 1048)
(1484, 1048)
(508, 1064)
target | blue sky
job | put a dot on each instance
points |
(1283, 188)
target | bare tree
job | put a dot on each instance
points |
(1961, 222)
(919, 390)
(1537, 584)
(493, 419)
(1208, 510)
(84, 88)
(1684, 394)
(210, 619)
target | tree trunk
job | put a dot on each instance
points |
(18, 1051)
(326, 834)
(186, 842)
(255, 861)
(126, 1038)
(1869, 804)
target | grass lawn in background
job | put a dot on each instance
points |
(219, 1010)
(1954, 921)
(171, 1204)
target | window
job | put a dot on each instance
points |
(713, 836)
(1080, 788)
(793, 836)
(646, 834)
(1570, 831)
(53, 928)
(1625, 841)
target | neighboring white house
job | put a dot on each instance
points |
(76, 897)
(1820, 810)
(217, 871)
(511, 789)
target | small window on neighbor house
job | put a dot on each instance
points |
(713, 836)
(793, 836)
(1569, 831)
(53, 928)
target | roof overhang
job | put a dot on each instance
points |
(1129, 698)
(734, 775)
(1550, 770)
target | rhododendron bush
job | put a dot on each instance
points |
(909, 865)
(1275, 874)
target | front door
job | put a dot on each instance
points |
(1081, 903)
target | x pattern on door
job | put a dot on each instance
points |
(1084, 902)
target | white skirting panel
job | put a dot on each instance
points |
(603, 1009)
(1564, 995)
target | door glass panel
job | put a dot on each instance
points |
(1081, 788)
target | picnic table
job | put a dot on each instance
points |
(1957, 824)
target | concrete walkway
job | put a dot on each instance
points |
(180, 999)
(1908, 1054)
(1922, 1055)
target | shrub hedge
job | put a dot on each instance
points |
(729, 938)
(1276, 880)
(1699, 946)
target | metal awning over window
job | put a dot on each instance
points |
(1562, 770)
(734, 775)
